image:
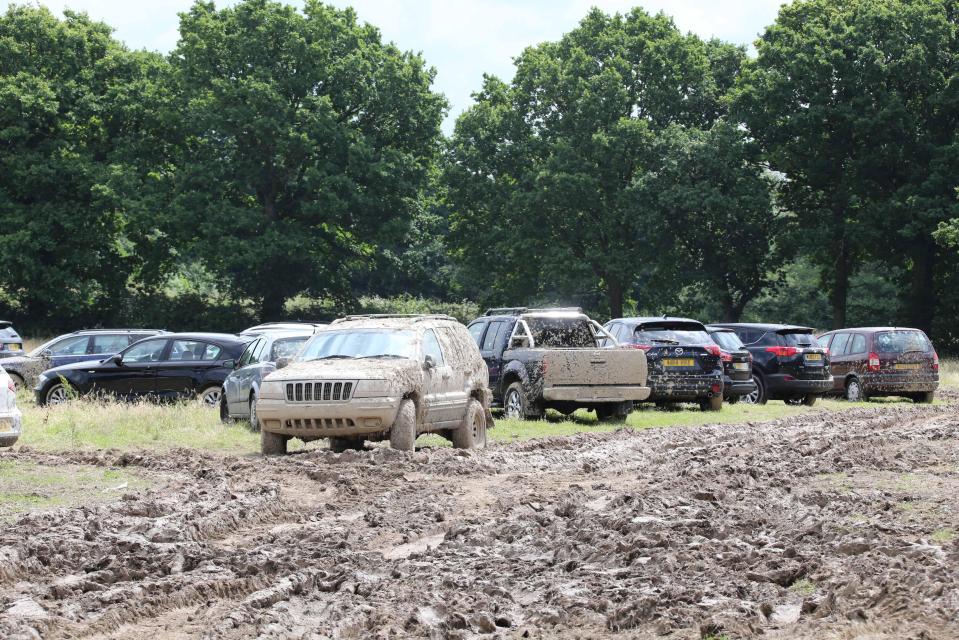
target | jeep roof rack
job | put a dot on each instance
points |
(386, 316)
(505, 311)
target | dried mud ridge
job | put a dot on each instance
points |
(817, 526)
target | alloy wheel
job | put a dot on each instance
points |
(514, 406)
(752, 397)
(57, 395)
(211, 397)
(854, 391)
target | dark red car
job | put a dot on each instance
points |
(883, 361)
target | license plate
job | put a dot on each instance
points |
(814, 357)
(14, 347)
(679, 362)
(908, 367)
(741, 366)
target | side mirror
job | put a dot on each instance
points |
(230, 364)
(283, 362)
(117, 359)
(519, 342)
(46, 353)
(429, 362)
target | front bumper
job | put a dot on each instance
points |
(785, 386)
(893, 383)
(10, 425)
(680, 386)
(588, 393)
(320, 420)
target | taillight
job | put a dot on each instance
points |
(713, 349)
(13, 389)
(825, 350)
(873, 361)
(935, 362)
(783, 352)
(727, 357)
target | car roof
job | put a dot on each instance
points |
(873, 329)
(392, 321)
(90, 332)
(638, 320)
(282, 326)
(225, 338)
(778, 328)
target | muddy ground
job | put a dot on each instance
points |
(838, 525)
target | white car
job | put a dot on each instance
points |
(10, 416)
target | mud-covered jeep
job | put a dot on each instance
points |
(378, 377)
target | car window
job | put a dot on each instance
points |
(286, 348)
(147, 351)
(671, 334)
(902, 341)
(728, 340)
(476, 331)
(561, 332)
(838, 344)
(748, 336)
(185, 350)
(108, 344)
(799, 339)
(858, 344)
(75, 346)
(431, 347)
(247, 356)
(489, 342)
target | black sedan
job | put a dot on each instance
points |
(176, 365)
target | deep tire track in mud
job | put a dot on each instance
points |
(822, 525)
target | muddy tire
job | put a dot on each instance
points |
(18, 381)
(924, 398)
(758, 396)
(225, 416)
(515, 406)
(254, 419)
(472, 433)
(810, 400)
(339, 444)
(210, 396)
(714, 403)
(8, 441)
(272, 444)
(854, 391)
(403, 432)
(617, 412)
(56, 394)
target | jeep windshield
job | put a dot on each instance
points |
(672, 334)
(360, 343)
(561, 332)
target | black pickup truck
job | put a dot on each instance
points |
(559, 359)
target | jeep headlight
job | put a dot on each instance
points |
(271, 389)
(372, 389)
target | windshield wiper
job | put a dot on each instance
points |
(384, 355)
(333, 357)
(665, 340)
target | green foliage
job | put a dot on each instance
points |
(306, 144)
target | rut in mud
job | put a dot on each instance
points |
(823, 525)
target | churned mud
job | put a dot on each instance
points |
(840, 525)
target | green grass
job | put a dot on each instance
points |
(949, 373)
(27, 486)
(943, 536)
(803, 587)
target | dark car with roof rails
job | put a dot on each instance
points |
(683, 362)
(737, 364)
(78, 346)
(789, 364)
(11, 344)
(871, 362)
(559, 359)
(168, 366)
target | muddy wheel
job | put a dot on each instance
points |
(254, 420)
(854, 391)
(272, 444)
(472, 433)
(617, 412)
(8, 441)
(225, 416)
(925, 398)
(57, 394)
(810, 400)
(714, 403)
(210, 397)
(18, 382)
(758, 395)
(339, 445)
(514, 402)
(403, 433)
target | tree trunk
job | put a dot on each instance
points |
(840, 284)
(922, 294)
(732, 310)
(615, 291)
(271, 309)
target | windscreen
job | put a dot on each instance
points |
(728, 340)
(799, 339)
(561, 332)
(287, 347)
(360, 343)
(902, 341)
(672, 334)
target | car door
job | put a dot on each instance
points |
(237, 381)
(185, 367)
(438, 380)
(492, 355)
(839, 364)
(134, 374)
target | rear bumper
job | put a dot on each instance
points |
(684, 387)
(10, 424)
(783, 386)
(892, 383)
(586, 393)
(356, 417)
(736, 388)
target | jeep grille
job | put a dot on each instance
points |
(319, 391)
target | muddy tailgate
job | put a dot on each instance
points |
(594, 367)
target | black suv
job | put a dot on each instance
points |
(788, 363)
(737, 364)
(684, 363)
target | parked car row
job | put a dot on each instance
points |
(304, 379)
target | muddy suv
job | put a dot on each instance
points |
(558, 359)
(379, 377)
